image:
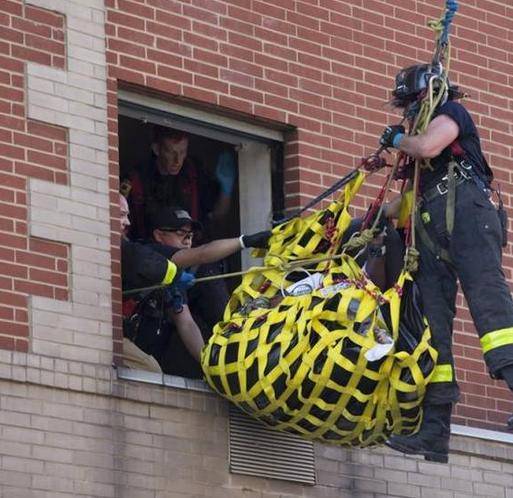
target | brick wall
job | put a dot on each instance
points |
(324, 67)
(101, 437)
(54, 246)
(28, 149)
(68, 426)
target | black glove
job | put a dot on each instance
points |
(259, 239)
(390, 134)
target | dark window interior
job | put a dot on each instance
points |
(135, 139)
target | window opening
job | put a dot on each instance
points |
(257, 197)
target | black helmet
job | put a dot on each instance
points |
(410, 81)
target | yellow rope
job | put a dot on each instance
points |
(420, 125)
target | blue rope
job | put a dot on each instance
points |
(452, 7)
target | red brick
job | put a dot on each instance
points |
(167, 86)
(281, 103)
(245, 41)
(44, 44)
(209, 31)
(164, 30)
(230, 50)
(232, 103)
(11, 64)
(268, 9)
(212, 6)
(32, 27)
(10, 298)
(211, 84)
(21, 345)
(50, 160)
(246, 94)
(201, 41)
(135, 36)
(124, 47)
(162, 57)
(14, 329)
(47, 277)
(244, 14)
(174, 74)
(32, 259)
(31, 55)
(234, 77)
(200, 14)
(7, 342)
(33, 288)
(267, 86)
(46, 247)
(140, 65)
(44, 16)
(200, 95)
(6, 254)
(30, 141)
(174, 47)
(123, 19)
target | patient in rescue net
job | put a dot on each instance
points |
(382, 258)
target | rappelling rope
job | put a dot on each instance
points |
(428, 106)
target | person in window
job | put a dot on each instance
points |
(172, 178)
(141, 267)
(173, 230)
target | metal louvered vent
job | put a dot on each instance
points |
(259, 451)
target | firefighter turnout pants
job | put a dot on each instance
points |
(474, 250)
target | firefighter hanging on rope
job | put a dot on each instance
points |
(459, 236)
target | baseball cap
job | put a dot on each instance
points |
(173, 218)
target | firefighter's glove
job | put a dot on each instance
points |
(225, 172)
(392, 136)
(259, 240)
(184, 281)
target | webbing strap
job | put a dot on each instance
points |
(451, 198)
(450, 213)
(432, 246)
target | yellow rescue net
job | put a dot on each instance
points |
(310, 345)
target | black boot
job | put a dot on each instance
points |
(432, 440)
(507, 374)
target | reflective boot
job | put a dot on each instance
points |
(507, 375)
(432, 440)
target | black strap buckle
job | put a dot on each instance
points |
(459, 176)
(442, 187)
(465, 165)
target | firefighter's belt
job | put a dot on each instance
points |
(442, 188)
(457, 173)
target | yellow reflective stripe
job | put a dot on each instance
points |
(170, 273)
(496, 339)
(442, 373)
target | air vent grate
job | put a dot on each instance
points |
(259, 451)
